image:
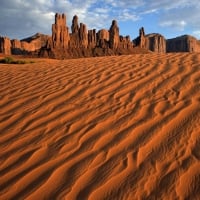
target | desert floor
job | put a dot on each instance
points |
(112, 128)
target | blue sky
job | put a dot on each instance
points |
(23, 18)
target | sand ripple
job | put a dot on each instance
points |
(124, 127)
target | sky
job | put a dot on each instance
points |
(23, 18)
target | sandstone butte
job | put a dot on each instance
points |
(81, 42)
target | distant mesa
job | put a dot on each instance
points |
(81, 42)
(153, 42)
(185, 43)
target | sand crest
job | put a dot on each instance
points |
(125, 127)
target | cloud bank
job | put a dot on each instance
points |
(22, 18)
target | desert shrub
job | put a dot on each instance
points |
(10, 60)
(19, 62)
(7, 60)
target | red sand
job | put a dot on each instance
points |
(124, 127)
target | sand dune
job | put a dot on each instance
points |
(124, 127)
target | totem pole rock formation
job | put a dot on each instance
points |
(83, 36)
(60, 32)
(114, 35)
(92, 38)
(103, 38)
(125, 42)
(142, 37)
(140, 40)
(75, 26)
(74, 35)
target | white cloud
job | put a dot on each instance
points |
(166, 5)
(183, 19)
(175, 24)
(127, 14)
(101, 10)
(196, 33)
(21, 18)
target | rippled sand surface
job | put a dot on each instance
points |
(125, 127)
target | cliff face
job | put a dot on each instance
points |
(154, 42)
(185, 43)
(5, 45)
(34, 43)
(17, 47)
